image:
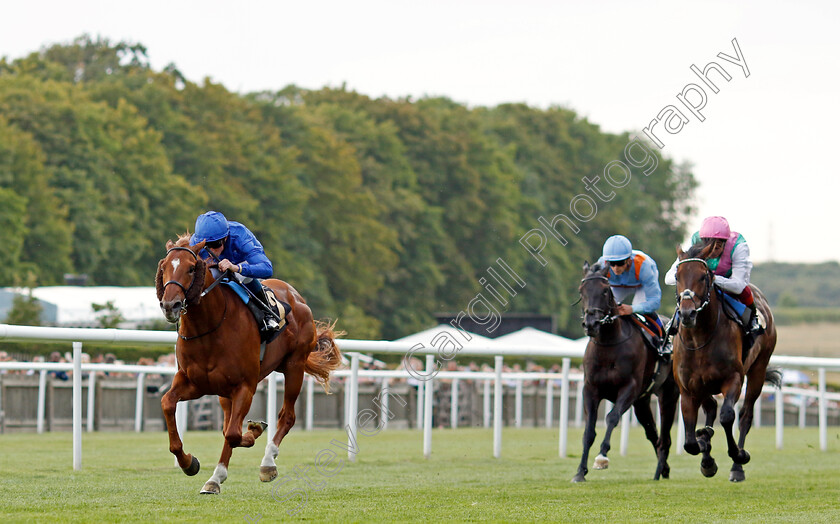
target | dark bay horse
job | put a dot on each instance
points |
(709, 359)
(218, 353)
(618, 366)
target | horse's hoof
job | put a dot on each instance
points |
(601, 462)
(742, 457)
(211, 488)
(666, 472)
(193, 468)
(736, 476)
(692, 448)
(708, 471)
(252, 426)
(578, 478)
(268, 473)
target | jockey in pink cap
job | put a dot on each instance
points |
(730, 262)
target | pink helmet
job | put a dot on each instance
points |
(714, 227)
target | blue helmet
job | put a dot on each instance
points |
(211, 226)
(616, 248)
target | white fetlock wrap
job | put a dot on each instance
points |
(219, 474)
(270, 454)
(601, 462)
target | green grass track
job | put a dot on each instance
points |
(129, 477)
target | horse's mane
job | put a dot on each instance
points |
(183, 240)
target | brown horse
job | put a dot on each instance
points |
(619, 366)
(218, 353)
(709, 359)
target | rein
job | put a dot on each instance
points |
(711, 336)
(203, 293)
(224, 315)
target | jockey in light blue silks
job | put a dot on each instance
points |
(238, 250)
(633, 276)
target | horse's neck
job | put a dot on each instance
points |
(610, 333)
(208, 310)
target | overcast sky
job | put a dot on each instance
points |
(764, 155)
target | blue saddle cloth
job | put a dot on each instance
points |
(239, 289)
(242, 293)
(732, 302)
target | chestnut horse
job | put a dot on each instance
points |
(619, 366)
(709, 359)
(218, 352)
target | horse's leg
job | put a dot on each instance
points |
(240, 403)
(181, 389)
(732, 390)
(285, 420)
(645, 416)
(708, 466)
(590, 405)
(689, 407)
(755, 383)
(623, 401)
(668, 398)
(213, 485)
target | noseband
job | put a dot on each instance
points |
(607, 318)
(184, 289)
(689, 294)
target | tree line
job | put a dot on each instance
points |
(380, 211)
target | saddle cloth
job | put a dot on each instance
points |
(273, 303)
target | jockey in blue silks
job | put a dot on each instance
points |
(238, 250)
(633, 276)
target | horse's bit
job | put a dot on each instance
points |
(689, 294)
(183, 302)
(607, 318)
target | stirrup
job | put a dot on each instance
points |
(271, 323)
(666, 349)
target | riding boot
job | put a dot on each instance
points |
(667, 348)
(673, 325)
(266, 318)
(750, 321)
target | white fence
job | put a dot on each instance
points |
(351, 347)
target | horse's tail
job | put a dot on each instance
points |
(326, 356)
(773, 376)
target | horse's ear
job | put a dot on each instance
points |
(585, 267)
(159, 280)
(680, 252)
(169, 244)
(707, 251)
(606, 270)
(198, 247)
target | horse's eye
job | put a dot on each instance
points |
(192, 269)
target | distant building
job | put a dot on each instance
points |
(72, 306)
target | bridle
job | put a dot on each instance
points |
(184, 302)
(689, 294)
(607, 317)
(183, 305)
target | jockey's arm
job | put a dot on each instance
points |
(741, 269)
(671, 275)
(649, 277)
(256, 264)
